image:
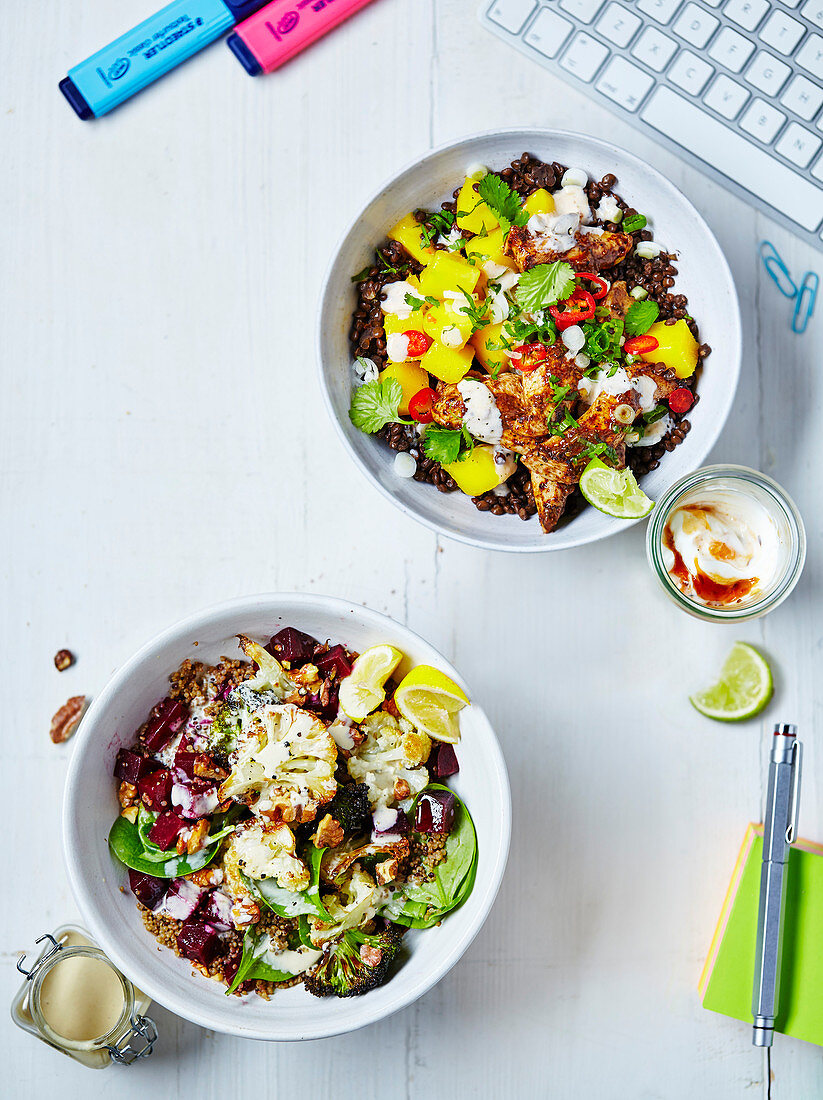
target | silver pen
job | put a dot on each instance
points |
(779, 831)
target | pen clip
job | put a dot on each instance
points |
(797, 763)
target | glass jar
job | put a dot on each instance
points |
(752, 490)
(76, 1000)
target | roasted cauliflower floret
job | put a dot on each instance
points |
(357, 902)
(264, 852)
(390, 759)
(271, 676)
(283, 764)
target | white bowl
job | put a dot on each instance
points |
(703, 276)
(91, 806)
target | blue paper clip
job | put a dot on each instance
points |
(779, 273)
(804, 307)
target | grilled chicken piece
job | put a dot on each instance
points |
(618, 300)
(592, 252)
(665, 380)
(521, 423)
(540, 383)
(557, 463)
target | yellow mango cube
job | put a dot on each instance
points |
(677, 347)
(393, 322)
(448, 364)
(412, 379)
(446, 271)
(477, 472)
(473, 214)
(491, 358)
(444, 318)
(409, 233)
(490, 247)
(539, 202)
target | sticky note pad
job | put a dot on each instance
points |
(726, 982)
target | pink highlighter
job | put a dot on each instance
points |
(283, 28)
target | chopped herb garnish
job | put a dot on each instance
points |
(502, 201)
(418, 303)
(478, 313)
(655, 414)
(640, 316)
(602, 339)
(594, 450)
(444, 445)
(634, 223)
(375, 404)
(545, 285)
(434, 224)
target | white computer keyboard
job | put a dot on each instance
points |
(734, 86)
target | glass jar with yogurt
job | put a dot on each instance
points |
(726, 543)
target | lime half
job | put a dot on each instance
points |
(744, 688)
(614, 492)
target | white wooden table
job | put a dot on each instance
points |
(163, 446)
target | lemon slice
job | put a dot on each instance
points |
(614, 492)
(744, 688)
(431, 701)
(362, 690)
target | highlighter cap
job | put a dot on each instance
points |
(242, 9)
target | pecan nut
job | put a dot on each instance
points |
(63, 659)
(66, 720)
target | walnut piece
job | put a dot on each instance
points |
(130, 814)
(206, 768)
(386, 871)
(197, 836)
(244, 912)
(63, 659)
(65, 721)
(329, 833)
(127, 794)
(401, 789)
(208, 876)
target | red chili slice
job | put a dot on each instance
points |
(537, 353)
(576, 308)
(420, 406)
(601, 286)
(639, 345)
(681, 400)
(419, 343)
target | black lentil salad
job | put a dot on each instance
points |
(547, 290)
(284, 817)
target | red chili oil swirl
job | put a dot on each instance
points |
(706, 588)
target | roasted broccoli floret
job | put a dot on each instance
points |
(355, 963)
(351, 808)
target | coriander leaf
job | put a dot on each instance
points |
(640, 317)
(442, 444)
(544, 285)
(632, 224)
(434, 224)
(502, 201)
(375, 404)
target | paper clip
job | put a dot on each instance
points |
(773, 262)
(804, 307)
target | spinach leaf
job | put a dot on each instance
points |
(423, 906)
(252, 967)
(288, 903)
(127, 844)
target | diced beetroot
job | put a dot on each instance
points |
(389, 823)
(182, 899)
(335, 659)
(435, 812)
(292, 645)
(164, 722)
(155, 789)
(147, 889)
(184, 765)
(443, 761)
(166, 829)
(231, 966)
(195, 798)
(198, 941)
(216, 910)
(131, 766)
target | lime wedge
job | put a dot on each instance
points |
(362, 690)
(431, 701)
(614, 492)
(744, 688)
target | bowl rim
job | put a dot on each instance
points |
(74, 843)
(734, 322)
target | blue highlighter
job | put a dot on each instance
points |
(148, 51)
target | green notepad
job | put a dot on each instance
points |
(726, 982)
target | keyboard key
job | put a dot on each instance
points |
(746, 13)
(803, 97)
(810, 56)
(752, 168)
(584, 56)
(731, 49)
(661, 10)
(512, 14)
(762, 121)
(548, 33)
(792, 3)
(695, 26)
(654, 49)
(690, 73)
(767, 73)
(726, 97)
(781, 32)
(617, 25)
(624, 83)
(817, 171)
(798, 145)
(582, 10)
(813, 10)
(714, 3)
